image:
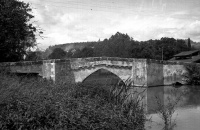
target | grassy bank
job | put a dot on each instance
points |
(30, 103)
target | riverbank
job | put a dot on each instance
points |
(34, 103)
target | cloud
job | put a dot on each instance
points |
(192, 30)
(145, 21)
(81, 28)
(145, 28)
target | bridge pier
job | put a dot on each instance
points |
(155, 75)
(48, 70)
(64, 72)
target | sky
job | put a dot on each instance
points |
(69, 21)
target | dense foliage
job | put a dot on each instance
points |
(33, 55)
(122, 45)
(38, 104)
(17, 33)
(193, 74)
(57, 53)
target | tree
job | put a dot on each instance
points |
(33, 56)
(17, 34)
(117, 45)
(189, 44)
(87, 52)
(57, 53)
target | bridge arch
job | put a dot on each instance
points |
(122, 73)
(102, 77)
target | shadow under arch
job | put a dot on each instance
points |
(102, 77)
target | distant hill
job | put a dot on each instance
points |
(69, 46)
(79, 46)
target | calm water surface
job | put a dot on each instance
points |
(187, 112)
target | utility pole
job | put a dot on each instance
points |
(162, 53)
(189, 44)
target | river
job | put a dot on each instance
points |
(187, 111)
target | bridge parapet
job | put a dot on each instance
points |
(23, 67)
(87, 63)
(82, 68)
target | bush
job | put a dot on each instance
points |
(38, 104)
(193, 74)
(166, 109)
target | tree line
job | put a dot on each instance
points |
(18, 36)
(124, 46)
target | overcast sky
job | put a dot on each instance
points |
(66, 21)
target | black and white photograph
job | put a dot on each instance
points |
(100, 64)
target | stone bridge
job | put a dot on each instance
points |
(144, 72)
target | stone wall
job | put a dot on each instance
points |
(154, 73)
(174, 72)
(82, 68)
(147, 72)
(139, 72)
(23, 67)
(144, 72)
(48, 69)
(64, 73)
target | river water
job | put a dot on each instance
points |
(187, 110)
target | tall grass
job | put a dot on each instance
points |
(32, 103)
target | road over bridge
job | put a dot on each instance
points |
(142, 71)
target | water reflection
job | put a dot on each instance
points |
(187, 112)
(153, 95)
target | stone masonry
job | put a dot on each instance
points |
(144, 72)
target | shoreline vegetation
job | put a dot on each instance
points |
(30, 103)
(193, 74)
